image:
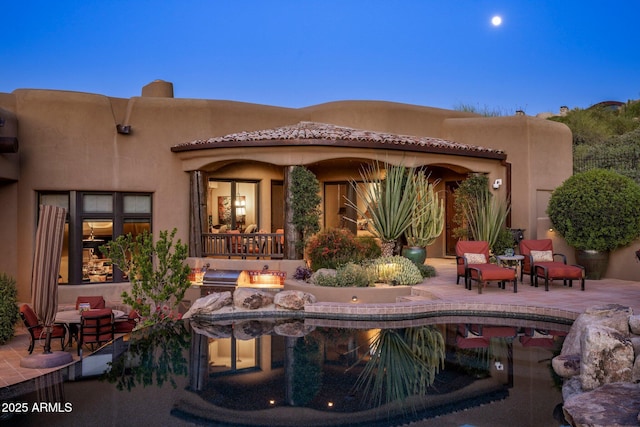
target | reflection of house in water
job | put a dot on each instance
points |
(276, 376)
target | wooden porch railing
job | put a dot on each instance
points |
(252, 245)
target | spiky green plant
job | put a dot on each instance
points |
(486, 217)
(427, 221)
(387, 201)
(402, 363)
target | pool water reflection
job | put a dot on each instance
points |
(475, 371)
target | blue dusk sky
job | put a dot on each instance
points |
(296, 53)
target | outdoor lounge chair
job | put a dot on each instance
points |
(472, 259)
(540, 262)
(96, 328)
(36, 328)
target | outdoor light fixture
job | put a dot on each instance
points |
(354, 298)
(123, 129)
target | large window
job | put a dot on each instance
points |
(232, 205)
(94, 219)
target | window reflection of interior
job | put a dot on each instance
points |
(232, 205)
(229, 354)
(95, 267)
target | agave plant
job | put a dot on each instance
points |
(486, 216)
(403, 363)
(387, 202)
(427, 221)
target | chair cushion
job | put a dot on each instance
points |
(492, 272)
(89, 314)
(541, 256)
(95, 301)
(29, 315)
(560, 270)
(475, 258)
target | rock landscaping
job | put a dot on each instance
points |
(600, 361)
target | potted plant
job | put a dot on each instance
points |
(596, 212)
(427, 221)
(387, 202)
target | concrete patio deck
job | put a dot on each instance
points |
(437, 293)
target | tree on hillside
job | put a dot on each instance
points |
(596, 124)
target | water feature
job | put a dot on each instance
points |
(277, 372)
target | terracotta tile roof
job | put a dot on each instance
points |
(313, 133)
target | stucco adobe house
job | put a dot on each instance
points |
(158, 162)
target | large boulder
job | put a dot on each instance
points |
(293, 300)
(610, 405)
(612, 315)
(249, 329)
(634, 324)
(251, 299)
(606, 357)
(566, 365)
(208, 304)
(294, 328)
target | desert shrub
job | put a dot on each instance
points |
(347, 275)
(8, 307)
(596, 210)
(370, 248)
(396, 270)
(426, 271)
(333, 247)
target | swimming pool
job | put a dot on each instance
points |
(437, 371)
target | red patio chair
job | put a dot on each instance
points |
(96, 328)
(472, 259)
(95, 301)
(236, 244)
(540, 262)
(126, 326)
(36, 328)
(467, 337)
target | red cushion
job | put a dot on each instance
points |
(492, 272)
(94, 301)
(559, 270)
(89, 314)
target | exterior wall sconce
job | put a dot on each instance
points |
(354, 299)
(497, 184)
(123, 129)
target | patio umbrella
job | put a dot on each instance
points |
(46, 267)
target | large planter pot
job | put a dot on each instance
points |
(415, 253)
(595, 263)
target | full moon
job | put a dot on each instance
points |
(496, 21)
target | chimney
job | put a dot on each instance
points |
(158, 89)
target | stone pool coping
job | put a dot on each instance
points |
(402, 311)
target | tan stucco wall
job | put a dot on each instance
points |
(68, 141)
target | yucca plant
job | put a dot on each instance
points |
(486, 217)
(427, 221)
(387, 201)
